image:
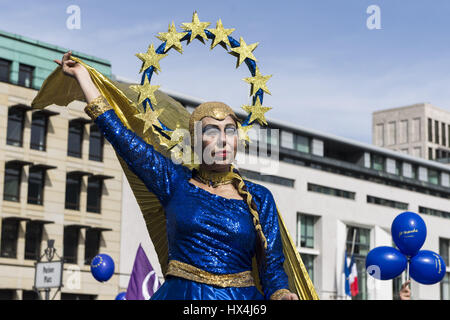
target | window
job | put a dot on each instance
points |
(10, 234)
(7, 294)
(38, 131)
(430, 130)
(387, 203)
(73, 190)
(33, 238)
(436, 132)
(36, 182)
(430, 153)
(94, 194)
(5, 70)
(75, 140)
(30, 295)
(433, 176)
(287, 139)
(302, 144)
(92, 245)
(26, 75)
(377, 162)
(444, 245)
(434, 212)
(272, 136)
(74, 296)
(95, 144)
(308, 261)
(14, 136)
(70, 244)
(305, 230)
(360, 248)
(331, 191)
(267, 178)
(444, 136)
(13, 176)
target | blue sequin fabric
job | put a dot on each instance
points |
(207, 231)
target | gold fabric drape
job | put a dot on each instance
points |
(61, 90)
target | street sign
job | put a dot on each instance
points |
(48, 275)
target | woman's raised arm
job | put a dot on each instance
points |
(157, 172)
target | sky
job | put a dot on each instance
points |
(330, 71)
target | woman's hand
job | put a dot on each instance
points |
(70, 67)
(289, 296)
(81, 74)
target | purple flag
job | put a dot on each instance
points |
(143, 281)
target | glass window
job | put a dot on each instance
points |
(308, 261)
(377, 162)
(10, 234)
(75, 140)
(361, 248)
(305, 228)
(7, 294)
(445, 287)
(5, 70)
(30, 295)
(444, 245)
(444, 136)
(14, 136)
(36, 182)
(436, 131)
(273, 136)
(302, 144)
(430, 130)
(387, 202)
(331, 191)
(433, 176)
(73, 190)
(38, 131)
(95, 144)
(13, 176)
(74, 296)
(70, 244)
(33, 238)
(94, 195)
(287, 139)
(430, 153)
(92, 245)
(26, 75)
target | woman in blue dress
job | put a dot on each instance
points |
(216, 221)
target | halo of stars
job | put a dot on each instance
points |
(172, 39)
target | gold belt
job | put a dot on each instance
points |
(187, 271)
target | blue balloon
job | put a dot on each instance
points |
(384, 263)
(102, 267)
(121, 296)
(409, 232)
(427, 267)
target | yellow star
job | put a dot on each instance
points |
(244, 51)
(176, 137)
(243, 132)
(145, 91)
(196, 27)
(257, 111)
(220, 35)
(258, 82)
(150, 118)
(172, 38)
(150, 58)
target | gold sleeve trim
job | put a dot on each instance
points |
(277, 295)
(96, 107)
(190, 272)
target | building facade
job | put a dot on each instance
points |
(421, 130)
(331, 190)
(59, 180)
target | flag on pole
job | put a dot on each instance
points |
(351, 276)
(143, 280)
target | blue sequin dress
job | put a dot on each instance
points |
(207, 231)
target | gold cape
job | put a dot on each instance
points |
(61, 90)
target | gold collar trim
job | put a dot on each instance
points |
(215, 179)
(187, 271)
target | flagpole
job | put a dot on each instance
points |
(353, 243)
